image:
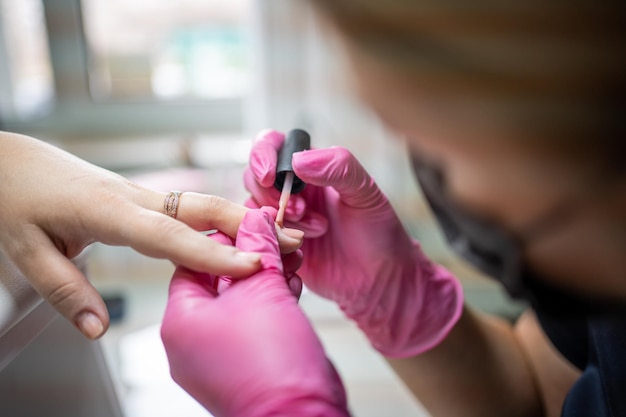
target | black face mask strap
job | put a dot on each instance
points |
(484, 245)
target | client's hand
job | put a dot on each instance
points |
(248, 351)
(52, 205)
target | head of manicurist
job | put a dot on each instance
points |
(520, 106)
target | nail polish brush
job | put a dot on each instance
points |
(287, 182)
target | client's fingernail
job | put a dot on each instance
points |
(294, 233)
(90, 325)
(289, 235)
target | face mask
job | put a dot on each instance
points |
(498, 254)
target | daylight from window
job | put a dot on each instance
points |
(164, 49)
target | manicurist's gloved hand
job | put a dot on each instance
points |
(249, 351)
(356, 251)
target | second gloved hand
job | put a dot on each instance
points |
(249, 351)
(356, 251)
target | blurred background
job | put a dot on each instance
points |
(170, 94)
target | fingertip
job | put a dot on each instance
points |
(63, 285)
(90, 325)
(293, 233)
(325, 167)
(249, 259)
(295, 285)
(226, 259)
(271, 135)
(289, 240)
(292, 262)
(302, 158)
(262, 166)
(243, 265)
(264, 155)
(310, 165)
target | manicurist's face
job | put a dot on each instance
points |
(489, 169)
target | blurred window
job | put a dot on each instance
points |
(167, 49)
(112, 68)
(27, 85)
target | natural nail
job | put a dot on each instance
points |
(90, 325)
(294, 233)
(291, 236)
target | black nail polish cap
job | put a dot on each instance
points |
(297, 140)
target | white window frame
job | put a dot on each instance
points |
(76, 113)
(278, 98)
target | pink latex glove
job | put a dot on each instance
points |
(248, 351)
(356, 251)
